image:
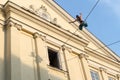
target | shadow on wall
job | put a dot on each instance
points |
(2, 69)
(26, 69)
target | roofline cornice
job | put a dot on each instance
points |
(100, 55)
(100, 44)
(68, 17)
(60, 11)
(12, 7)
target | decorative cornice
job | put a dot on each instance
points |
(43, 37)
(1, 6)
(1, 22)
(100, 45)
(100, 55)
(51, 27)
(84, 56)
(103, 65)
(9, 24)
(102, 69)
(37, 35)
(118, 76)
(18, 26)
(42, 12)
(66, 48)
(44, 9)
(59, 10)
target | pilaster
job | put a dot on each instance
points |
(118, 76)
(1, 14)
(66, 51)
(13, 69)
(41, 56)
(85, 67)
(2, 41)
(103, 72)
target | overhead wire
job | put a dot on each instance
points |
(92, 9)
(84, 20)
(97, 49)
(78, 29)
(107, 45)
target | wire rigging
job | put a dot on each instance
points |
(92, 9)
(84, 20)
(78, 29)
(108, 45)
(97, 49)
(70, 37)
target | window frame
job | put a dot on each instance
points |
(57, 65)
(111, 78)
(95, 72)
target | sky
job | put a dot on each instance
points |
(103, 22)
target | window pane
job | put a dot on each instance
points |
(94, 75)
(111, 78)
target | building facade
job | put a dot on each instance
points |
(38, 43)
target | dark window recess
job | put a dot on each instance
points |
(53, 58)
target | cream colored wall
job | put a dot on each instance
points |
(101, 62)
(42, 27)
(104, 67)
(24, 45)
(74, 66)
(2, 46)
(3, 1)
(55, 74)
(61, 19)
(28, 62)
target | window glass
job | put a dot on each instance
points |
(110, 78)
(94, 75)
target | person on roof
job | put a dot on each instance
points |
(79, 19)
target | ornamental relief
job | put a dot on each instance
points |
(42, 12)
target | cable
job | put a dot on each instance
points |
(107, 45)
(84, 20)
(97, 49)
(92, 10)
(78, 29)
(70, 37)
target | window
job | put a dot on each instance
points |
(53, 58)
(94, 75)
(110, 78)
